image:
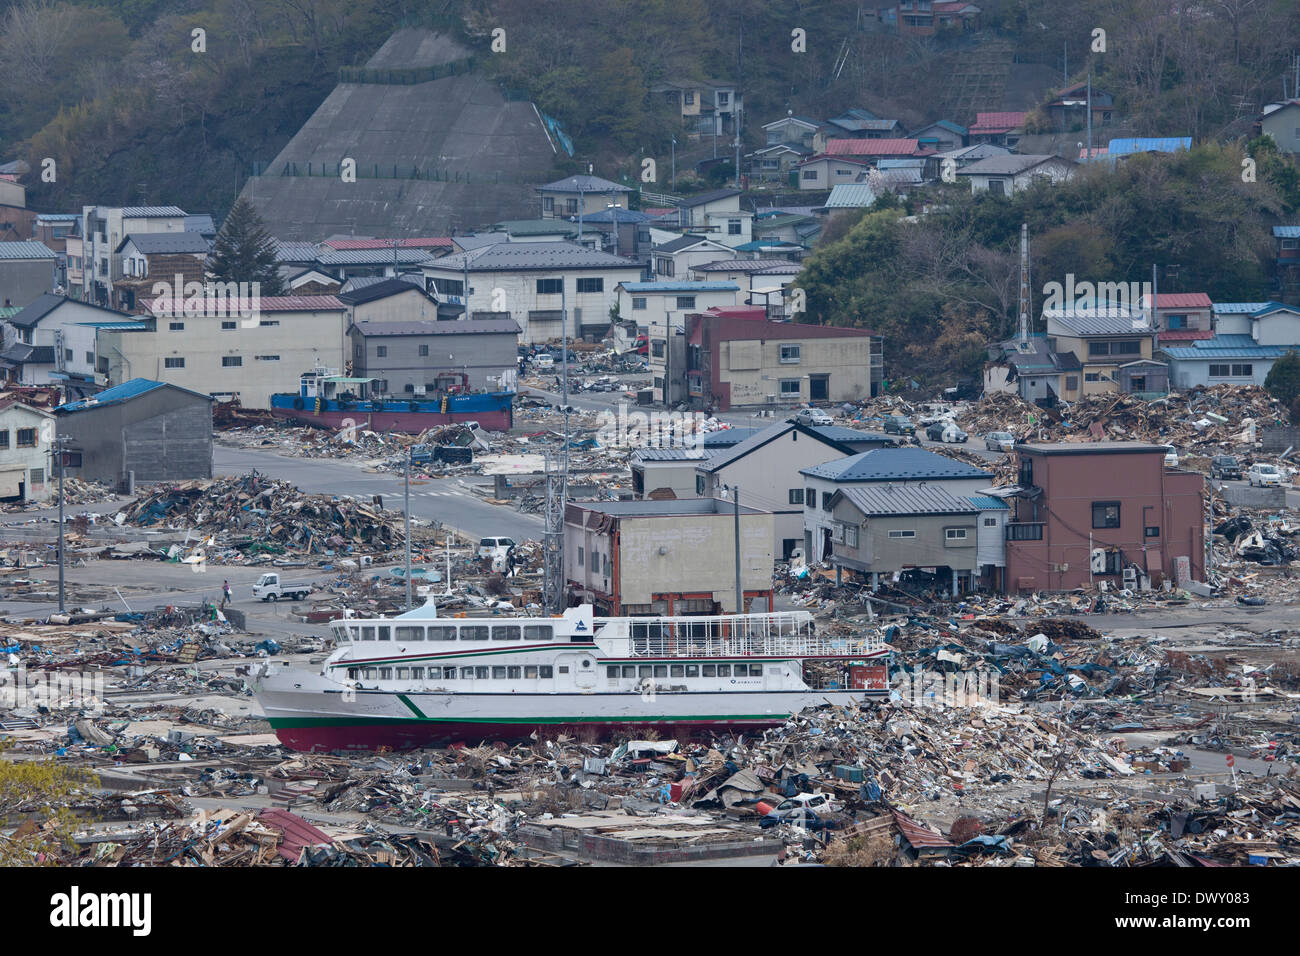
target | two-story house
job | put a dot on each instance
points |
(705, 106)
(580, 196)
(151, 257)
(1114, 346)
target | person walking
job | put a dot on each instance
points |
(225, 593)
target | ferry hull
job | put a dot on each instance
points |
(399, 421)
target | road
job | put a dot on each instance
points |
(447, 500)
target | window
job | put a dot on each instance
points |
(530, 672)
(1092, 376)
(1114, 563)
(686, 302)
(1105, 514)
(38, 476)
(548, 204)
(733, 227)
(481, 673)
(1071, 382)
(790, 354)
(72, 459)
(724, 670)
(664, 267)
(27, 438)
(826, 502)
(724, 99)
(1242, 371)
(403, 673)
(1151, 531)
(990, 522)
(550, 286)
(417, 673)
(692, 670)
(851, 536)
(1177, 322)
(810, 174)
(1127, 347)
(810, 497)
(424, 350)
(477, 632)
(591, 285)
(902, 534)
(699, 484)
(954, 534)
(612, 671)
(709, 670)
(176, 326)
(638, 303)
(442, 633)
(1292, 243)
(407, 633)
(657, 348)
(790, 387)
(661, 670)
(385, 633)
(498, 673)
(796, 496)
(385, 673)
(689, 97)
(232, 361)
(228, 326)
(506, 632)
(268, 358)
(538, 632)
(4, 438)
(1024, 532)
(381, 351)
(580, 554)
(90, 358)
(514, 672)
(545, 671)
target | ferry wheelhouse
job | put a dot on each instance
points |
(420, 680)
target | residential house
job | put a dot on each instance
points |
(857, 124)
(102, 229)
(925, 18)
(705, 106)
(1282, 122)
(872, 149)
(778, 163)
(652, 303)
(535, 230)
(717, 215)
(1068, 110)
(745, 360)
(666, 557)
(27, 270)
(766, 468)
(52, 321)
(227, 355)
(17, 222)
(1182, 316)
(141, 430)
(826, 172)
(902, 175)
(968, 155)
(622, 232)
(177, 258)
(1249, 337)
(1000, 129)
(1273, 323)
(52, 231)
(790, 228)
(534, 283)
(423, 358)
(669, 472)
(315, 281)
(941, 136)
(26, 449)
(1004, 175)
(1110, 511)
(579, 196)
(764, 282)
(395, 300)
(791, 129)
(1114, 347)
(856, 196)
(892, 484)
(1033, 369)
(1236, 318)
(1286, 241)
(388, 263)
(676, 259)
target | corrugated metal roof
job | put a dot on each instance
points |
(987, 503)
(295, 251)
(585, 184)
(872, 147)
(889, 499)
(894, 464)
(166, 243)
(267, 303)
(433, 242)
(298, 834)
(1238, 308)
(1114, 321)
(29, 249)
(1157, 144)
(851, 196)
(150, 212)
(1185, 335)
(1183, 300)
(1272, 307)
(509, 256)
(1010, 165)
(435, 327)
(747, 265)
(997, 122)
(121, 393)
(670, 454)
(667, 287)
(921, 839)
(1286, 232)
(1225, 347)
(335, 257)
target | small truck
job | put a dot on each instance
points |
(269, 588)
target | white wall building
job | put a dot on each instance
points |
(26, 440)
(651, 303)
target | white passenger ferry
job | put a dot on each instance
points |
(420, 680)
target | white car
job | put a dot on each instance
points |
(492, 547)
(1264, 476)
(813, 416)
(1171, 456)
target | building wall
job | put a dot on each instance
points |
(1284, 126)
(658, 306)
(1150, 495)
(411, 306)
(163, 435)
(23, 281)
(754, 369)
(828, 173)
(302, 340)
(1279, 328)
(677, 476)
(483, 356)
(679, 265)
(32, 465)
(1189, 373)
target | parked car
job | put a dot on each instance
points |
(813, 416)
(269, 588)
(545, 360)
(898, 425)
(1262, 475)
(999, 441)
(946, 432)
(1171, 456)
(491, 547)
(803, 809)
(1225, 467)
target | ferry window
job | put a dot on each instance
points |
(564, 669)
(530, 672)
(507, 632)
(370, 673)
(384, 633)
(692, 670)
(661, 670)
(417, 673)
(538, 632)
(514, 673)
(645, 670)
(352, 673)
(385, 673)
(498, 673)
(741, 670)
(545, 671)
(710, 670)
(474, 632)
(403, 673)
(677, 670)
(367, 633)
(724, 670)
(480, 673)
(466, 673)
(629, 670)
(410, 633)
(611, 670)
(442, 634)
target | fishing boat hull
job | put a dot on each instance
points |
(493, 412)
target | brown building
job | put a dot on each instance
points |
(1102, 511)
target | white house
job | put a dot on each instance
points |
(827, 172)
(53, 321)
(673, 260)
(717, 214)
(102, 230)
(650, 303)
(26, 441)
(1004, 175)
(535, 283)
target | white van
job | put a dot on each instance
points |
(491, 547)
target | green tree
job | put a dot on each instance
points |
(244, 251)
(39, 790)
(1283, 381)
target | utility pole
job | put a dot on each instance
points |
(715, 153)
(740, 593)
(58, 451)
(407, 514)
(1089, 153)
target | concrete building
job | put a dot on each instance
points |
(26, 448)
(53, 321)
(1004, 175)
(1102, 511)
(652, 303)
(412, 358)
(879, 473)
(151, 430)
(28, 270)
(102, 230)
(533, 283)
(395, 300)
(225, 355)
(767, 469)
(735, 361)
(821, 173)
(666, 557)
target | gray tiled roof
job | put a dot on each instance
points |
(150, 212)
(906, 500)
(586, 184)
(1114, 321)
(894, 464)
(434, 327)
(1009, 165)
(25, 250)
(163, 243)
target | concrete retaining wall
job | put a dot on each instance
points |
(1244, 496)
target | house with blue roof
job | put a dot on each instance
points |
(892, 510)
(141, 430)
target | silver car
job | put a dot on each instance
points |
(999, 441)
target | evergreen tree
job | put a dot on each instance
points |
(1283, 381)
(244, 251)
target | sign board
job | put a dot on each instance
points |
(1230, 760)
(189, 652)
